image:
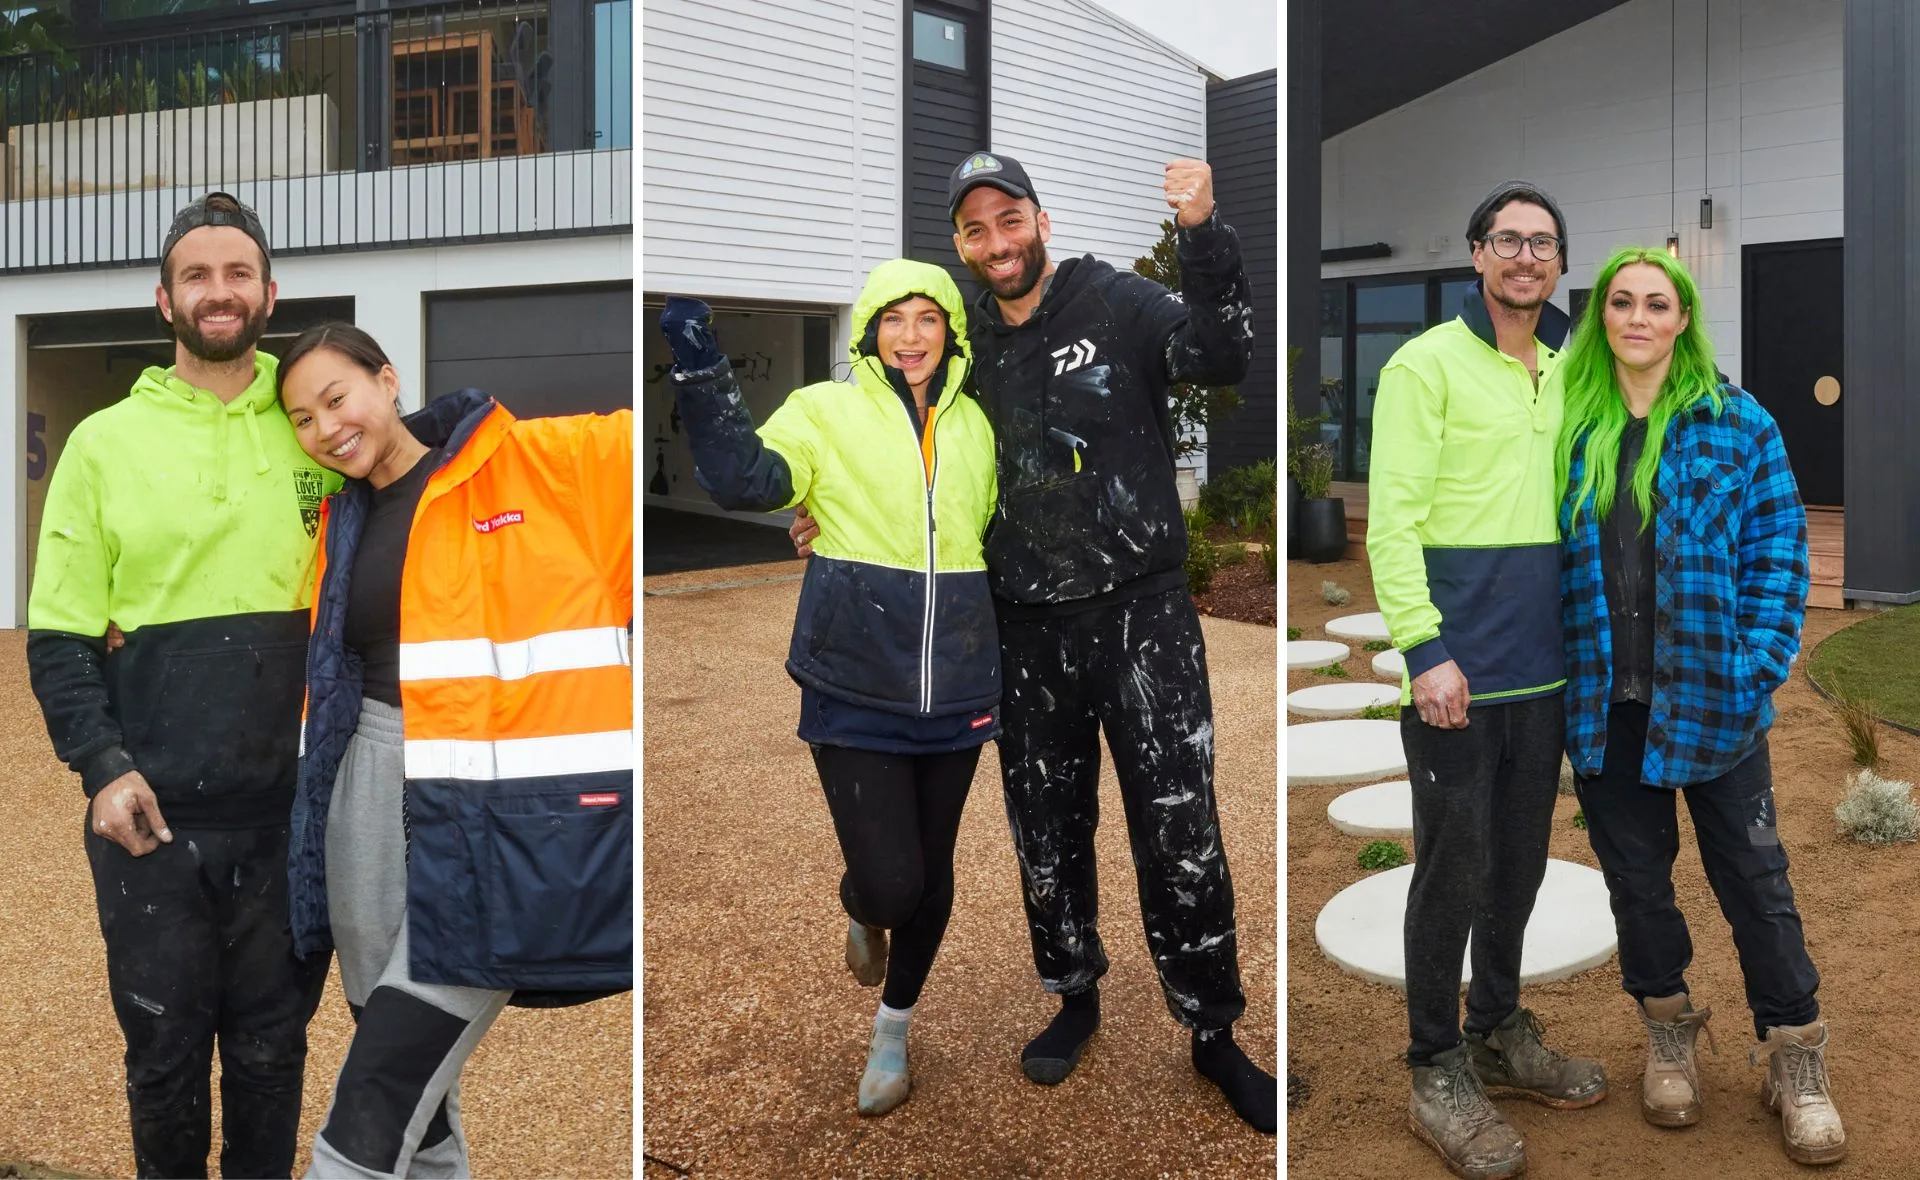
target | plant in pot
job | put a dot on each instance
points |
(1321, 524)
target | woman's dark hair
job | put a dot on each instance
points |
(340, 337)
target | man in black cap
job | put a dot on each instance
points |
(1086, 554)
(184, 516)
(1462, 535)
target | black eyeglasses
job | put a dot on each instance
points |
(1506, 244)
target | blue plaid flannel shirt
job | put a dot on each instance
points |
(1730, 592)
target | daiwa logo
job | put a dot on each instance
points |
(501, 521)
(1073, 356)
(979, 163)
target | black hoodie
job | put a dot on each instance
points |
(1088, 512)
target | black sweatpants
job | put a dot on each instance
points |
(898, 817)
(1483, 801)
(199, 952)
(1635, 834)
(1138, 671)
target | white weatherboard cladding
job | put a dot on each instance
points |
(1093, 110)
(771, 162)
(1596, 116)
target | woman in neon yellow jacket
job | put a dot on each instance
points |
(894, 646)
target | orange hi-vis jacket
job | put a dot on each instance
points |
(516, 698)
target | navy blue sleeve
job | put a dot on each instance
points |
(731, 462)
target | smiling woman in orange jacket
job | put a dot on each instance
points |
(463, 827)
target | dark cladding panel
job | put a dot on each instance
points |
(1243, 144)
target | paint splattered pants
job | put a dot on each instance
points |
(396, 1103)
(1138, 671)
(1483, 801)
(199, 953)
(1635, 834)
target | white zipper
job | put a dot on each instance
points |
(926, 638)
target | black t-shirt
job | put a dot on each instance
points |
(1626, 561)
(373, 594)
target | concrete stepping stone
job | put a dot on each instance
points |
(1344, 752)
(1340, 700)
(1571, 930)
(1390, 665)
(1380, 812)
(1367, 628)
(1314, 653)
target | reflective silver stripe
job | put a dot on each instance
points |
(580, 753)
(556, 651)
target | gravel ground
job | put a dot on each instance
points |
(1345, 1036)
(546, 1094)
(754, 1034)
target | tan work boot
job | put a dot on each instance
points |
(1670, 1089)
(1513, 1062)
(1795, 1088)
(1450, 1113)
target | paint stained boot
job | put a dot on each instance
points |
(866, 953)
(1670, 1088)
(1796, 1088)
(1450, 1112)
(1513, 1061)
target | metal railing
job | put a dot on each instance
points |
(478, 120)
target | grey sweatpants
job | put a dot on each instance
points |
(396, 1104)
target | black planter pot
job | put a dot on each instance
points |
(1293, 518)
(1323, 530)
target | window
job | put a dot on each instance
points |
(1363, 322)
(939, 40)
(613, 74)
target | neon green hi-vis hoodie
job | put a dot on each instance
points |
(190, 524)
(1461, 507)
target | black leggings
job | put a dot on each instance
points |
(898, 817)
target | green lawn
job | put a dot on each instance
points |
(1873, 662)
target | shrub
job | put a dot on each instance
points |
(1580, 820)
(1337, 671)
(1383, 854)
(1293, 633)
(1378, 645)
(1380, 713)
(1878, 810)
(1232, 553)
(1202, 557)
(1270, 562)
(1863, 728)
(1335, 594)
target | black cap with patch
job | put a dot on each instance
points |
(196, 215)
(1002, 172)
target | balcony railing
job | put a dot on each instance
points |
(456, 122)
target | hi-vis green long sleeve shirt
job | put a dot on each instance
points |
(1461, 507)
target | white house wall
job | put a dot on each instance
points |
(1094, 111)
(771, 167)
(1591, 116)
(388, 288)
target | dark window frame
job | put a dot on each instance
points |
(1435, 279)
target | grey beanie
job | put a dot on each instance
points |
(1510, 190)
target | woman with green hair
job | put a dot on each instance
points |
(1684, 583)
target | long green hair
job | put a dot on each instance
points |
(1595, 408)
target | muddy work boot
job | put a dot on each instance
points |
(1512, 1062)
(867, 953)
(1450, 1113)
(1795, 1088)
(1670, 1089)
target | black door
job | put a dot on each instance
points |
(1793, 340)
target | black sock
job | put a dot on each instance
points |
(1250, 1090)
(1051, 1056)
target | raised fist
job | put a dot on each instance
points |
(1190, 191)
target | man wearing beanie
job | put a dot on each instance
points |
(185, 515)
(1462, 537)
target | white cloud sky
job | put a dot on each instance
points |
(1229, 37)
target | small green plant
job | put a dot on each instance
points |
(1232, 553)
(1270, 562)
(1878, 810)
(1337, 671)
(1335, 594)
(1377, 645)
(1580, 820)
(1862, 724)
(1202, 557)
(1380, 713)
(1293, 633)
(1383, 854)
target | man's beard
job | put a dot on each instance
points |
(187, 331)
(1033, 261)
(1507, 301)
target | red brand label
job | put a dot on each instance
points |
(983, 721)
(599, 800)
(499, 522)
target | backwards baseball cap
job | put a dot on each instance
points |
(1002, 172)
(1503, 194)
(229, 211)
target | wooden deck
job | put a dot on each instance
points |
(1826, 543)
